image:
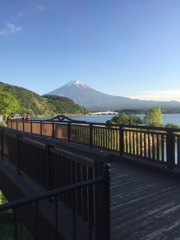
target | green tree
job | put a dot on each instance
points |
(124, 118)
(2, 198)
(153, 117)
(8, 104)
(171, 125)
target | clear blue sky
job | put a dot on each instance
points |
(127, 48)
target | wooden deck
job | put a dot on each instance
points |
(145, 204)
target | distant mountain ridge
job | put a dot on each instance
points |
(95, 100)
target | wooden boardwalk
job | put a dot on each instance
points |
(145, 204)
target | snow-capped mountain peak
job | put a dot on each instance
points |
(95, 100)
(77, 83)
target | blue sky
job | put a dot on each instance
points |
(127, 48)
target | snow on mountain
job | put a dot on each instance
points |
(76, 83)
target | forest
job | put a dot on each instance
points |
(17, 100)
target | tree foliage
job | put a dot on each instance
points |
(66, 106)
(8, 103)
(124, 118)
(153, 117)
(171, 125)
(23, 101)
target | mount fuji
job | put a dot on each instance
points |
(95, 100)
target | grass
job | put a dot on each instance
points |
(7, 225)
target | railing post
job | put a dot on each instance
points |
(18, 160)
(91, 135)
(102, 202)
(11, 123)
(15, 224)
(69, 131)
(52, 129)
(41, 128)
(170, 149)
(107, 202)
(2, 145)
(98, 202)
(121, 133)
(48, 164)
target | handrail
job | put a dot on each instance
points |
(53, 167)
(157, 144)
(49, 194)
(105, 235)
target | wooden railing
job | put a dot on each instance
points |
(52, 168)
(151, 143)
(72, 191)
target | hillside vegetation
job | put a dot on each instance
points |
(20, 100)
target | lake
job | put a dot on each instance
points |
(173, 118)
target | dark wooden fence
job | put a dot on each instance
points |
(71, 190)
(161, 145)
(52, 168)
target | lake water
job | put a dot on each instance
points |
(167, 118)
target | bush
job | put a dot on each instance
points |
(3, 123)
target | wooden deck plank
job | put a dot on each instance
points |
(145, 204)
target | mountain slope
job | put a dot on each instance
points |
(92, 99)
(34, 104)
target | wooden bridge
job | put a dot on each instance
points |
(144, 185)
